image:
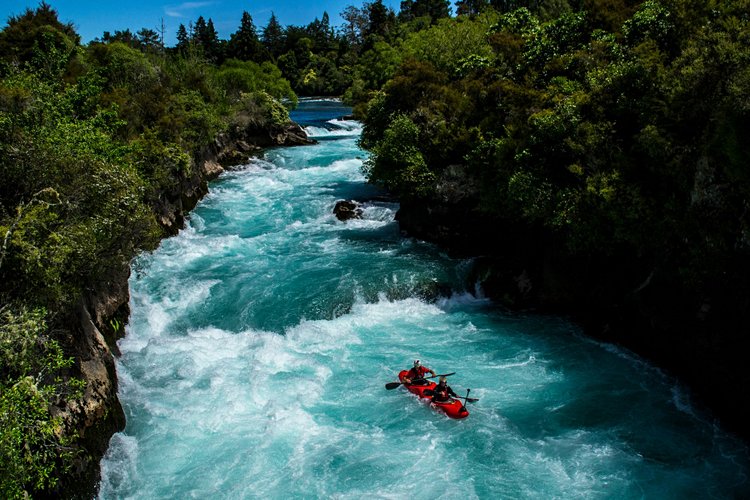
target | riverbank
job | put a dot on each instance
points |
(102, 315)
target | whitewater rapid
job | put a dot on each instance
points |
(261, 337)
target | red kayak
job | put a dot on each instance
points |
(454, 408)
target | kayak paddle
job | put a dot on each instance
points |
(393, 385)
(463, 407)
(468, 399)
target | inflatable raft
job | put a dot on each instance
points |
(454, 408)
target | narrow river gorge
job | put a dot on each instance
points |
(261, 338)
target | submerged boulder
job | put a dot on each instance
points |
(347, 209)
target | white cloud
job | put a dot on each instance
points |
(181, 9)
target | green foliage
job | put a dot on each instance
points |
(471, 7)
(619, 129)
(237, 77)
(554, 38)
(33, 450)
(449, 42)
(39, 39)
(520, 21)
(397, 163)
(51, 54)
(193, 120)
(472, 63)
(650, 21)
(145, 40)
(322, 77)
(19, 335)
(116, 325)
(244, 43)
(433, 10)
(375, 67)
(381, 22)
(260, 110)
(123, 66)
(272, 37)
(160, 164)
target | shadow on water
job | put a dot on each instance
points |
(355, 190)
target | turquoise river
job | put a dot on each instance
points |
(261, 338)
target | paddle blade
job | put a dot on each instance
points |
(392, 385)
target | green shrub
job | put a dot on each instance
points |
(33, 450)
(260, 110)
(238, 77)
(397, 163)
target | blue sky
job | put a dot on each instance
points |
(91, 19)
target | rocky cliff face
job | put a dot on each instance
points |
(232, 148)
(98, 414)
(100, 318)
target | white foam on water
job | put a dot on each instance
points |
(119, 466)
(352, 125)
(349, 170)
(337, 128)
(155, 316)
(319, 99)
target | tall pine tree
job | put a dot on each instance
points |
(244, 43)
(207, 39)
(183, 39)
(381, 19)
(435, 9)
(273, 37)
(471, 7)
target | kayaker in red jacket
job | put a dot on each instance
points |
(416, 374)
(442, 392)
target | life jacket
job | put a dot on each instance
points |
(417, 372)
(440, 393)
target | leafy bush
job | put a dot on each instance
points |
(237, 77)
(191, 119)
(261, 111)
(451, 40)
(33, 450)
(397, 163)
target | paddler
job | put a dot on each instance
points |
(415, 375)
(442, 392)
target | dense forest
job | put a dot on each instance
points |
(603, 142)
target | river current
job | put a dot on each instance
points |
(261, 338)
